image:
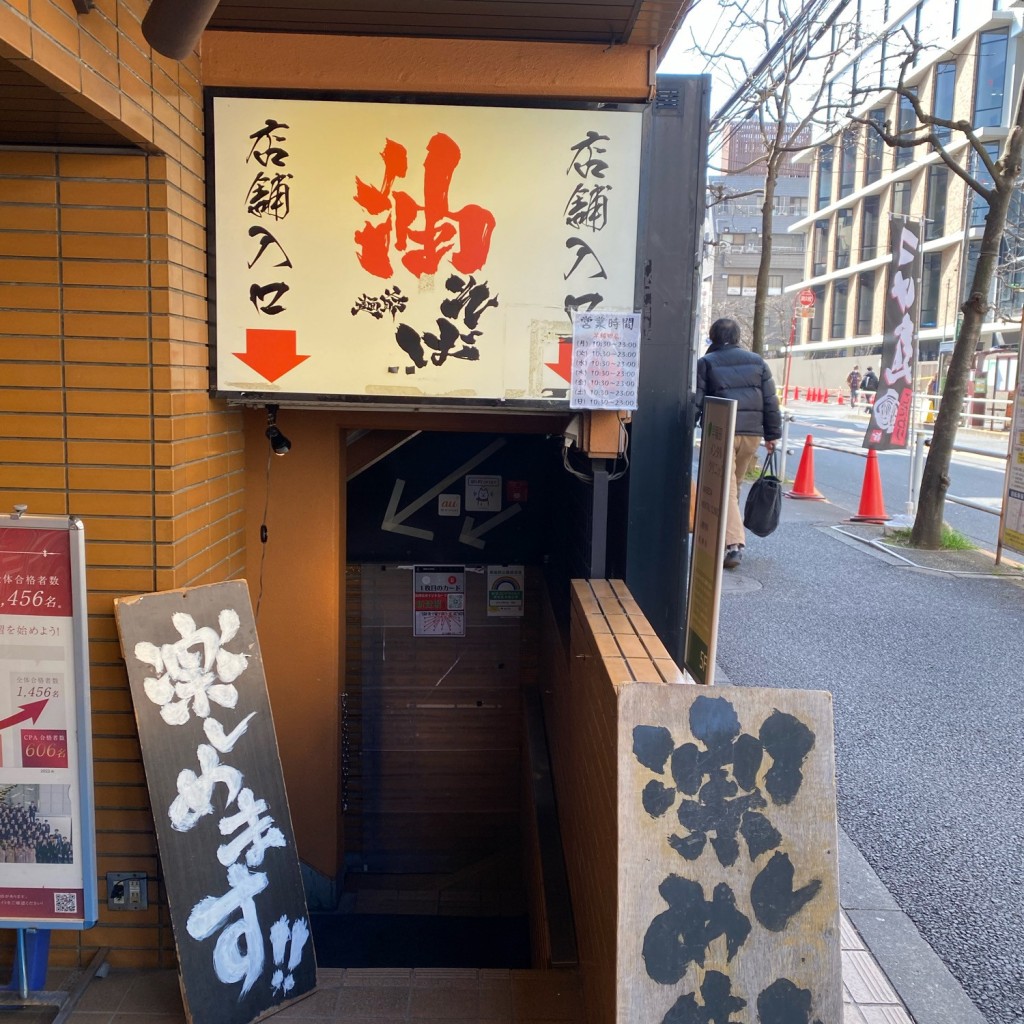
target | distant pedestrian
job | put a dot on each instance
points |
(853, 383)
(726, 370)
(869, 385)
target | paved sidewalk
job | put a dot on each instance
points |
(890, 973)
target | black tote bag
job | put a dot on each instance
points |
(764, 500)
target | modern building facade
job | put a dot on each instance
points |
(969, 67)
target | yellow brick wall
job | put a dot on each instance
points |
(104, 412)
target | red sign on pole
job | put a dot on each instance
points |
(806, 297)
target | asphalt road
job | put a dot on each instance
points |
(926, 671)
(839, 475)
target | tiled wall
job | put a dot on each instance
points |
(103, 406)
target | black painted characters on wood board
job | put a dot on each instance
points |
(721, 787)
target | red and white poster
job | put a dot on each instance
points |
(47, 844)
(397, 252)
(439, 600)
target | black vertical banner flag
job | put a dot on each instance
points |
(891, 413)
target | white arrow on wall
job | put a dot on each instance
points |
(393, 519)
(472, 536)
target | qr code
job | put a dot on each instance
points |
(65, 902)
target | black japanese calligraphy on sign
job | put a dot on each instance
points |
(892, 408)
(226, 842)
(734, 876)
(587, 207)
(268, 198)
(321, 205)
(457, 327)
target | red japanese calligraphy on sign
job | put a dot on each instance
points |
(433, 227)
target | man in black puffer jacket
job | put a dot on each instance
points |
(728, 371)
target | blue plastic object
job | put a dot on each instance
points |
(37, 954)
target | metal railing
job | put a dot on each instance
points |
(977, 413)
(920, 440)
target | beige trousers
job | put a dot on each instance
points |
(744, 452)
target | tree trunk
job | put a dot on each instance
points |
(927, 531)
(764, 266)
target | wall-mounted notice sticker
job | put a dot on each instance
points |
(483, 493)
(505, 591)
(605, 361)
(439, 600)
(449, 504)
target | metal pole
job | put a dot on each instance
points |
(783, 445)
(22, 969)
(599, 521)
(920, 439)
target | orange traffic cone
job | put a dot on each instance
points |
(840, 396)
(803, 486)
(796, 394)
(872, 504)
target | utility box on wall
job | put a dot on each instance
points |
(127, 890)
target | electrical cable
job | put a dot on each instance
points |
(264, 534)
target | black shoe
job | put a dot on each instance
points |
(733, 556)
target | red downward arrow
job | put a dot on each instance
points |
(564, 365)
(33, 711)
(270, 353)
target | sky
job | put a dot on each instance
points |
(710, 27)
(714, 30)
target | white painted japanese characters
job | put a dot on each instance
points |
(221, 813)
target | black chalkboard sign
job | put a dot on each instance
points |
(226, 842)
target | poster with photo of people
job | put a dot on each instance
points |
(47, 845)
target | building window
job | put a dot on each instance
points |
(874, 147)
(991, 76)
(869, 228)
(790, 206)
(971, 265)
(901, 199)
(840, 294)
(935, 208)
(979, 204)
(824, 176)
(905, 129)
(844, 238)
(847, 163)
(942, 96)
(1010, 273)
(820, 256)
(774, 284)
(818, 319)
(865, 302)
(931, 278)
(744, 285)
